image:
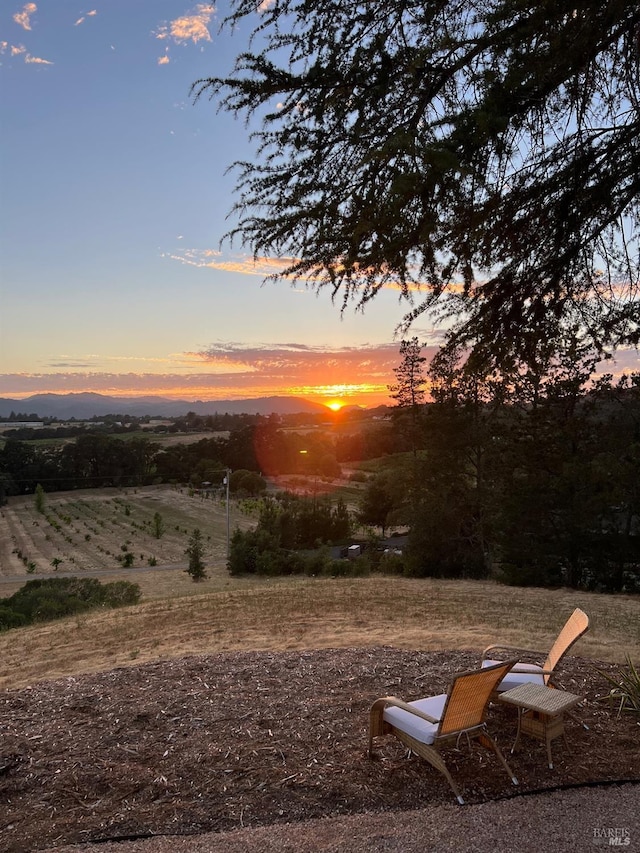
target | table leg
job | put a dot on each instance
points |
(515, 743)
(549, 748)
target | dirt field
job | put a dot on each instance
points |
(95, 530)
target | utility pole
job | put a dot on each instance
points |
(226, 479)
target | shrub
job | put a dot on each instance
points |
(39, 499)
(43, 600)
(523, 574)
(10, 619)
(625, 690)
(247, 483)
(246, 549)
(120, 594)
(391, 564)
(158, 525)
(258, 552)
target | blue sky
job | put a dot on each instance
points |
(114, 199)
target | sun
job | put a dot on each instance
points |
(335, 405)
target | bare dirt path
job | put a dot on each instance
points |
(569, 821)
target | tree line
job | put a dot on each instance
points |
(291, 536)
(95, 458)
(531, 473)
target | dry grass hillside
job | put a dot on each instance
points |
(177, 618)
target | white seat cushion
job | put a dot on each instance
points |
(522, 673)
(414, 726)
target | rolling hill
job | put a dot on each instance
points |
(87, 405)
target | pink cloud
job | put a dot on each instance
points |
(82, 19)
(24, 18)
(258, 266)
(192, 27)
(36, 60)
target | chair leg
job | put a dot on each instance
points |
(518, 732)
(436, 761)
(487, 740)
(577, 719)
(376, 722)
(429, 754)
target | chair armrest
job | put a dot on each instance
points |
(499, 647)
(398, 703)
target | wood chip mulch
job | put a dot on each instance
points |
(210, 743)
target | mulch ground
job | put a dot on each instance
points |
(217, 742)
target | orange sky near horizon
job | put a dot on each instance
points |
(334, 397)
(358, 375)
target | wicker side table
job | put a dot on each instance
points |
(540, 712)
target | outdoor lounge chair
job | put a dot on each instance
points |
(538, 673)
(457, 715)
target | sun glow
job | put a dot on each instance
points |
(335, 405)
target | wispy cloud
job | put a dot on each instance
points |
(212, 259)
(20, 50)
(23, 18)
(318, 372)
(36, 60)
(82, 19)
(192, 27)
(263, 267)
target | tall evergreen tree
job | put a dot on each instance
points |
(409, 390)
(195, 552)
(484, 156)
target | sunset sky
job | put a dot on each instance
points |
(113, 201)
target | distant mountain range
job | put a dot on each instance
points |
(82, 406)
